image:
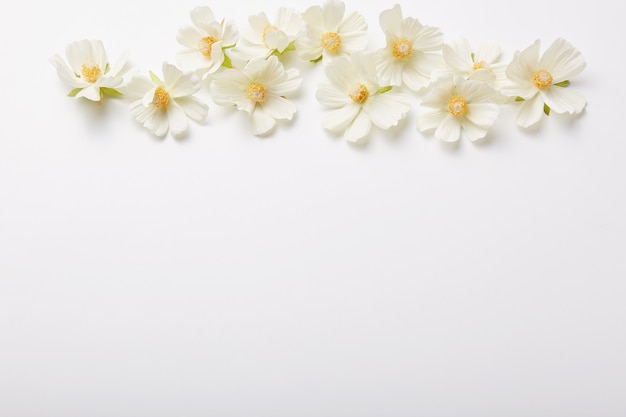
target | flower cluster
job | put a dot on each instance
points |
(461, 89)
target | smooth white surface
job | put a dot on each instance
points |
(296, 275)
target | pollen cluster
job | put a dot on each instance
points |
(256, 92)
(205, 45)
(359, 93)
(91, 74)
(331, 41)
(402, 48)
(161, 98)
(542, 78)
(457, 106)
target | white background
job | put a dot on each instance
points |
(297, 275)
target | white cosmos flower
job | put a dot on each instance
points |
(260, 89)
(412, 53)
(262, 38)
(89, 73)
(206, 42)
(458, 107)
(351, 89)
(165, 105)
(539, 81)
(481, 64)
(330, 34)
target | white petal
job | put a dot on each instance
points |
(386, 110)
(449, 130)
(530, 111)
(277, 40)
(472, 132)
(391, 20)
(562, 60)
(482, 114)
(487, 52)
(258, 22)
(329, 96)
(202, 17)
(430, 120)
(177, 119)
(458, 56)
(353, 42)
(90, 92)
(474, 91)
(339, 119)
(138, 87)
(563, 99)
(290, 86)
(334, 11)
(342, 73)
(66, 74)
(262, 121)
(178, 83)
(429, 39)
(389, 67)
(524, 64)
(359, 128)
(279, 108)
(193, 107)
(79, 53)
(189, 37)
(354, 22)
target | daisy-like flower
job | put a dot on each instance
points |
(481, 64)
(351, 89)
(457, 106)
(263, 38)
(206, 42)
(539, 81)
(329, 34)
(412, 53)
(89, 73)
(260, 89)
(165, 105)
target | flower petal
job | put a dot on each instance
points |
(386, 110)
(449, 130)
(334, 11)
(431, 119)
(360, 127)
(563, 99)
(177, 119)
(66, 74)
(482, 114)
(329, 96)
(339, 119)
(562, 60)
(530, 112)
(193, 107)
(279, 108)
(473, 132)
(262, 121)
(341, 73)
(391, 20)
(202, 17)
(354, 22)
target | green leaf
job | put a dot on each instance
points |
(229, 46)
(74, 92)
(518, 98)
(107, 68)
(154, 78)
(290, 47)
(111, 91)
(473, 56)
(384, 89)
(315, 61)
(228, 63)
(546, 109)
(563, 83)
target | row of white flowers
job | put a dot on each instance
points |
(462, 89)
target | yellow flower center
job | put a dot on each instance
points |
(542, 78)
(402, 48)
(161, 98)
(257, 92)
(478, 65)
(359, 93)
(206, 44)
(91, 74)
(457, 106)
(267, 30)
(331, 41)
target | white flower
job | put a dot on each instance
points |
(456, 107)
(412, 53)
(329, 34)
(481, 64)
(263, 38)
(89, 73)
(165, 105)
(260, 89)
(206, 42)
(539, 81)
(351, 89)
